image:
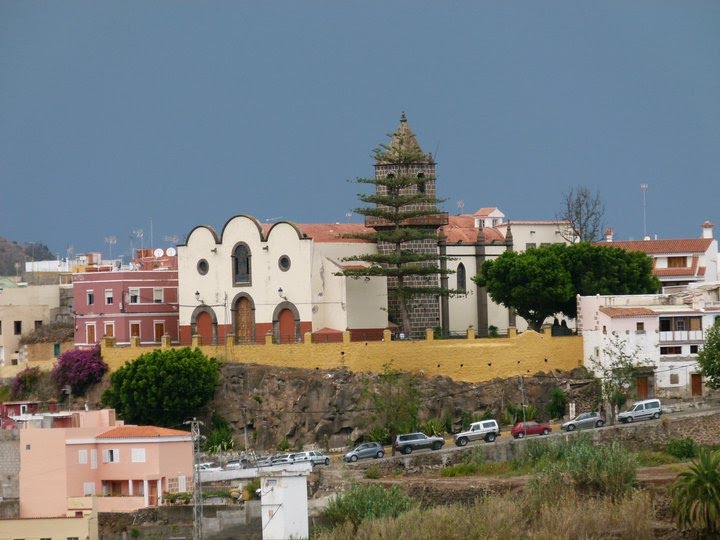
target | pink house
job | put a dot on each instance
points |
(140, 301)
(126, 467)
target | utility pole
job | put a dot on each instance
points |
(197, 486)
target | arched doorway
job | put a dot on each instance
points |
(244, 326)
(204, 325)
(286, 327)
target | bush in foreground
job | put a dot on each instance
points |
(696, 495)
(366, 501)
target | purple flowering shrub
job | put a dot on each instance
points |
(24, 382)
(79, 368)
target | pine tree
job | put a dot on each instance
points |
(404, 215)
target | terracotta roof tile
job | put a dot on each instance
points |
(131, 432)
(334, 232)
(485, 211)
(461, 229)
(687, 245)
(616, 312)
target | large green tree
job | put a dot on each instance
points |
(546, 280)
(163, 387)
(403, 214)
(709, 357)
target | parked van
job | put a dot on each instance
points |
(642, 410)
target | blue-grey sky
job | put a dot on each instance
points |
(116, 115)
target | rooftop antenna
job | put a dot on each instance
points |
(644, 187)
(348, 215)
(110, 241)
(171, 239)
(460, 205)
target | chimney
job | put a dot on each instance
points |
(707, 229)
(608, 235)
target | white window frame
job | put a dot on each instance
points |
(93, 458)
(111, 455)
(109, 297)
(105, 329)
(82, 457)
(134, 295)
(137, 455)
(158, 295)
(88, 488)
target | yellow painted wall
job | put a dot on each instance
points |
(471, 360)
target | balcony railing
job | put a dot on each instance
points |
(674, 336)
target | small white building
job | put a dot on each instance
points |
(666, 330)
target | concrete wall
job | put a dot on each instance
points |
(471, 360)
(9, 465)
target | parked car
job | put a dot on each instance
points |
(584, 421)
(365, 450)
(408, 442)
(485, 429)
(531, 427)
(280, 459)
(237, 464)
(315, 457)
(642, 410)
(208, 467)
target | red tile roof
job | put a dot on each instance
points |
(334, 232)
(132, 432)
(615, 312)
(461, 229)
(486, 211)
(654, 247)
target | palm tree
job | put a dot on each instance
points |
(696, 494)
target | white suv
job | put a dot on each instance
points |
(485, 429)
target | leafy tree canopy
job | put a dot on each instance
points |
(163, 387)
(709, 357)
(546, 280)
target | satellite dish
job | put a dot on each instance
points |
(171, 252)
(158, 252)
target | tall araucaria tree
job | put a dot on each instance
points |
(405, 219)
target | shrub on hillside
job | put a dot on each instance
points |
(24, 382)
(681, 448)
(79, 369)
(366, 501)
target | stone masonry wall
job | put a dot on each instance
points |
(9, 472)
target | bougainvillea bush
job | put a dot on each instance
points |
(24, 382)
(80, 369)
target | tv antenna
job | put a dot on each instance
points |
(348, 215)
(171, 239)
(460, 205)
(111, 241)
(644, 187)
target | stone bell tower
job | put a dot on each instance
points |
(403, 157)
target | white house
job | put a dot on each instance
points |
(663, 331)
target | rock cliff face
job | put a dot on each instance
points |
(331, 408)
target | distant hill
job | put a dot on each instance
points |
(14, 252)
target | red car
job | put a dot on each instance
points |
(531, 427)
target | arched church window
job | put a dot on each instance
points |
(460, 274)
(241, 264)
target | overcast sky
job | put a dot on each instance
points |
(163, 115)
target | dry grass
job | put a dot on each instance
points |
(515, 516)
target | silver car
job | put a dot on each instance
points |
(313, 456)
(584, 421)
(365, 450)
